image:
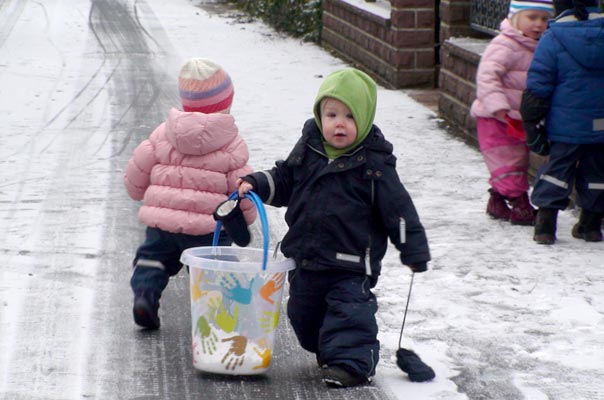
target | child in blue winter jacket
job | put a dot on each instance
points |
(344, 200)
(563, 113)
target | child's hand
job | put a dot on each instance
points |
(243, 187)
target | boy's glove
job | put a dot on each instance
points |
(536, 137)
(419, 267)
(534, 110)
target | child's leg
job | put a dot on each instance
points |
(555, 179)
(306, 307)
(590, 193)
(590, 179)
(348, 337)
(506, 158)
(155, 261)
(553, 186)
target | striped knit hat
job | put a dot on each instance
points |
(205, 87)
(521, 5)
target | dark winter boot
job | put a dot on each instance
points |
(545, 226)
(146, 307)
(522, 212)
(336, 376)
(589, 227)
(497, 207)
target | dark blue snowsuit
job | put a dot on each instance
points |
(340, 214)
(566, 82)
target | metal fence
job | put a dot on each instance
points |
(486, 15)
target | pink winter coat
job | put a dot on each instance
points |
(502, 71)
(185, 168)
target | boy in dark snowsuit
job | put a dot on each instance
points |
(563, 113)
(344, 200)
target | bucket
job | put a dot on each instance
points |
(236, 297)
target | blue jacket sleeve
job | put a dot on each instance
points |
(541, 77)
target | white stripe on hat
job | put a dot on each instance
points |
(522, 5)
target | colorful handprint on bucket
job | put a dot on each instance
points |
(265, 356)
(269, 321)
(221, 316)
(208, 337)
(235, 356)
(196, 292)
(272, 286)
(233, 289)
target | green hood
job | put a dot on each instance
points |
(358, 91)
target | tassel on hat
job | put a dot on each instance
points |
(522, 5)
(205, 87)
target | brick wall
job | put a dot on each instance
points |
(459, 56)
(457, 82)
(398, 49)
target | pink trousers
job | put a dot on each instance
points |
(506, 157)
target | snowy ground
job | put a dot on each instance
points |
(497, 316)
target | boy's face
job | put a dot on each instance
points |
(532, 23)
(339, 128)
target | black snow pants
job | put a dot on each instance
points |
(579, 166)
(158, 258)
(333, 316)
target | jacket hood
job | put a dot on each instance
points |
(507, 29)
(583, 40)
(357, 91)
(195, 133)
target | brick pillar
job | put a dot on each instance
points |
(413, 42)
(455, 19)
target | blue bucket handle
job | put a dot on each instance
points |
(255, 199)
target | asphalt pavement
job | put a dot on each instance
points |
(140, 364)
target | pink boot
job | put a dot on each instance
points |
(497, 207)
(522, 212)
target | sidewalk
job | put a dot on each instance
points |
(426, 97)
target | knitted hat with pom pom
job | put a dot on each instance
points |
(205, 87)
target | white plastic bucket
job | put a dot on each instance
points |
(235, 307)
(236, 297)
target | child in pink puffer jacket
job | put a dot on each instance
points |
(500, 80)
(188, 165)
